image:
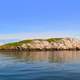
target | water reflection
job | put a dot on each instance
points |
(49, 56)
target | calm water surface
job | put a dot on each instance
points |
(52, 65)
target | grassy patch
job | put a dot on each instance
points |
(14, 44)
(26, 41)
(54, 39)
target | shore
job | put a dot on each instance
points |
(43, 45)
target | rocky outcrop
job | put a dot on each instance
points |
(51, 44)
(64, 44)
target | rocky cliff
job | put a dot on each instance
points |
(44, 44)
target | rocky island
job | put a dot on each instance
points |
(44, 44)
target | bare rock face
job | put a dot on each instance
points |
(65, 43)
(39, 45)
(71, 43)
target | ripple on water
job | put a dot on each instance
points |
(40, 66)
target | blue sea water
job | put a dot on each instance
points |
(43, 65)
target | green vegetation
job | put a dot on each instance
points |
(12, 44)
(30, 40)
(54, 39)
(26, 41)
(17, 43)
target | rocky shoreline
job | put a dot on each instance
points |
(43, 45)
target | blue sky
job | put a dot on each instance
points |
(52, 17)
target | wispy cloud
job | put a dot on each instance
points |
(5, 38)
(29, 35)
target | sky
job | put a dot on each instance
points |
(21, 19)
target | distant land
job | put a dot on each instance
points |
(43, 44)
